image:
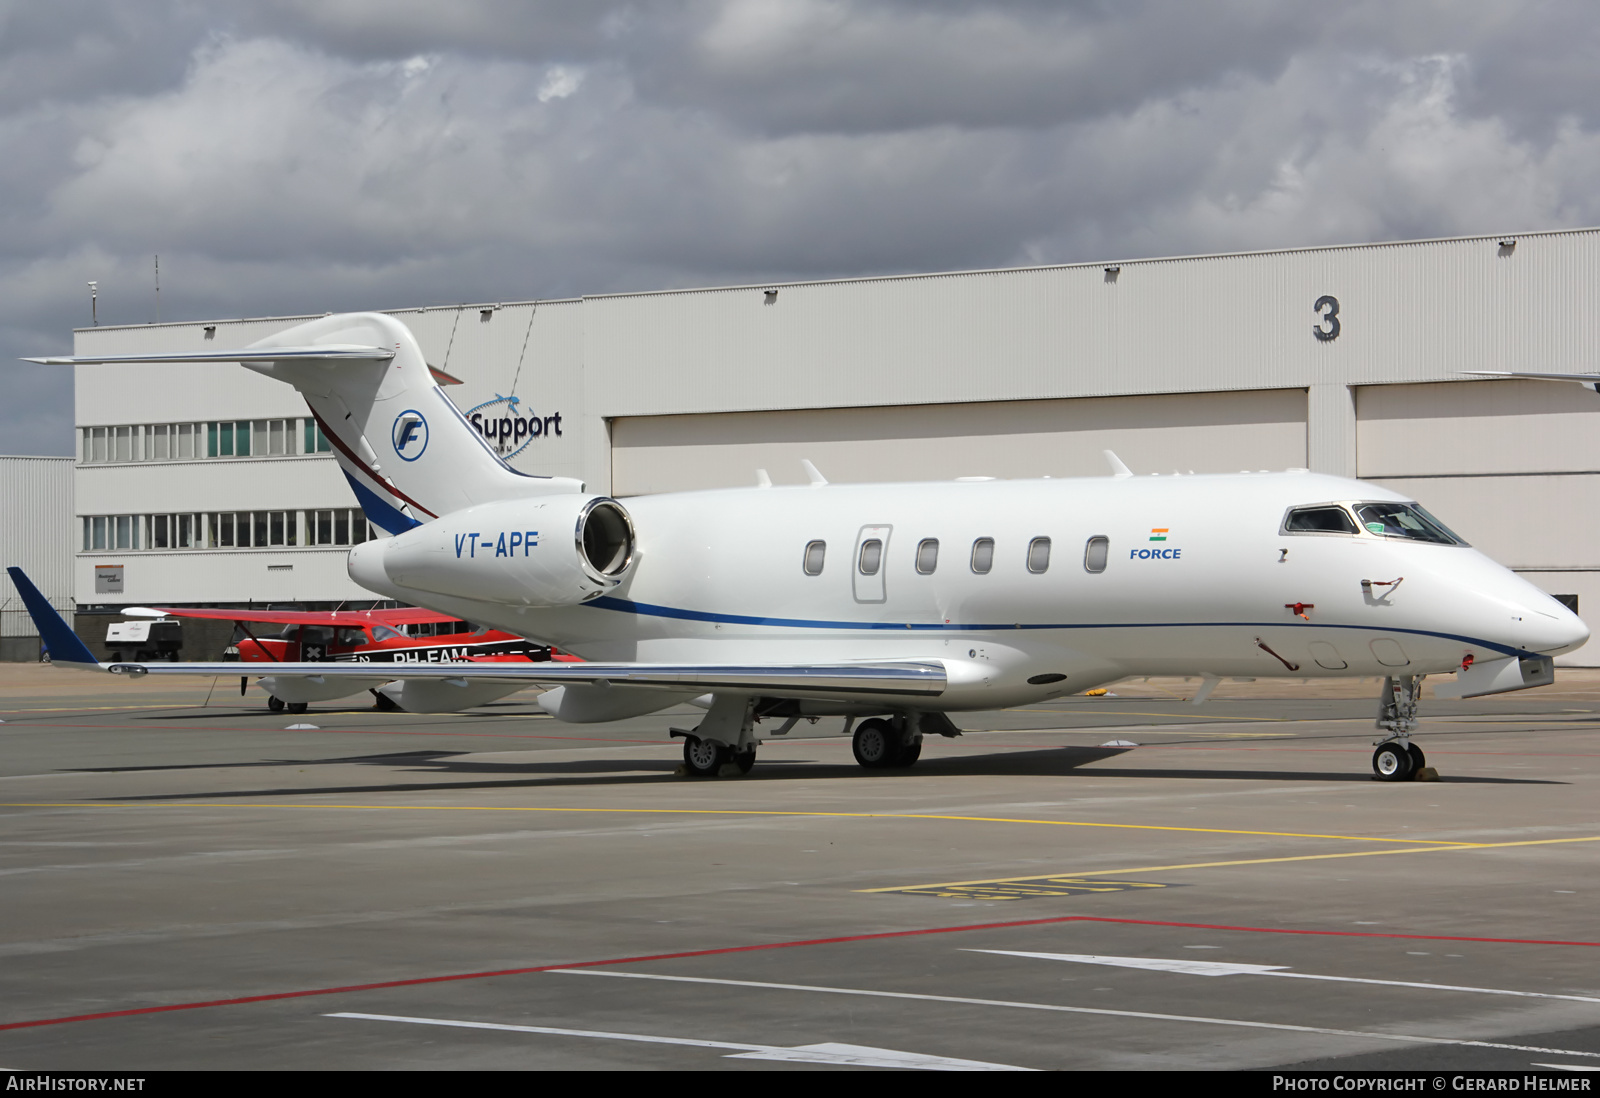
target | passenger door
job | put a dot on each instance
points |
(868, 563)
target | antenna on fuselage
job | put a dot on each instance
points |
(1118, 469)
(816, 478)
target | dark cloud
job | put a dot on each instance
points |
(289, 156)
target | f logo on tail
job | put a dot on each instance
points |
(410, 435)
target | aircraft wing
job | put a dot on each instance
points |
(907, 678)
(916, 679)
(411, 615)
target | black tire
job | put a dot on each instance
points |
(297, 707)
(704, 758)
(275, 703)
(876, 744)
(1418, 759)
(1391, 762)
(383, 703)
(909, 753)
(744, 760)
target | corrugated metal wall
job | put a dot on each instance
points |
(1188, 432)
(36, 536)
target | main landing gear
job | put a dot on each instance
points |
(1397, 759)
(723, 745)
(880, 744)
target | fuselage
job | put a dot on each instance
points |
(1199, 577)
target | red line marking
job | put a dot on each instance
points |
(455, 977)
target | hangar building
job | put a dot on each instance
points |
(209, 484)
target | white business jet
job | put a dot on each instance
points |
(889, 605)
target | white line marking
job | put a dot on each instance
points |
(1208, 968)
(1154, 964)
(825, 1053)
(1362, 1034)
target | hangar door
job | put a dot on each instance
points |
(1202, 432)
(1512, 466)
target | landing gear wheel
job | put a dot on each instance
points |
(909, 753)
(297, 707)
(383, 703)
(876, 744)
(703, 758)
(1391, 762)
(275, 703)
(1418, 759)
(744, 760)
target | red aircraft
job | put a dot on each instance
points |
(407, 635)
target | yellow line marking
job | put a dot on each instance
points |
(1244, 861)
(735, 812)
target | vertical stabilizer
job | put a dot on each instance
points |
(407, 451)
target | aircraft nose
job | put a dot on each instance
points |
(1554, 633)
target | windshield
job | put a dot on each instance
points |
(1405, 520)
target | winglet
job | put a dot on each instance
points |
(1118, 469)
(59, 639)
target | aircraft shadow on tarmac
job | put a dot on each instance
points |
(615, 771)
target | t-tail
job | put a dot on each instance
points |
(408, 452)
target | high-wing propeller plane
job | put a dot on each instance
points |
(890, 605)
(403, 635)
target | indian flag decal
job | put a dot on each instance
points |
(1159, 533)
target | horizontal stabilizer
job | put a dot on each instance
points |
(340, 352)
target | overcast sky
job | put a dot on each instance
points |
(290, 156)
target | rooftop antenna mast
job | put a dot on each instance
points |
(94, 303)
(158, 289)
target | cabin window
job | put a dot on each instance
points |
(1319, 520)
(927, 555)
(1095, 553)
(983, 555)
(1039, 555)
(383, 633)
(815, 552)
(871, 556)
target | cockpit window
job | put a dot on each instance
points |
(1404, 520)
(1327, 519)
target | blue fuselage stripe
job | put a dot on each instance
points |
(644, 609)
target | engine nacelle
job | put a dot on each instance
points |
(543, 551)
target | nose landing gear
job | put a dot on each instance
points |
(1397, 759)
